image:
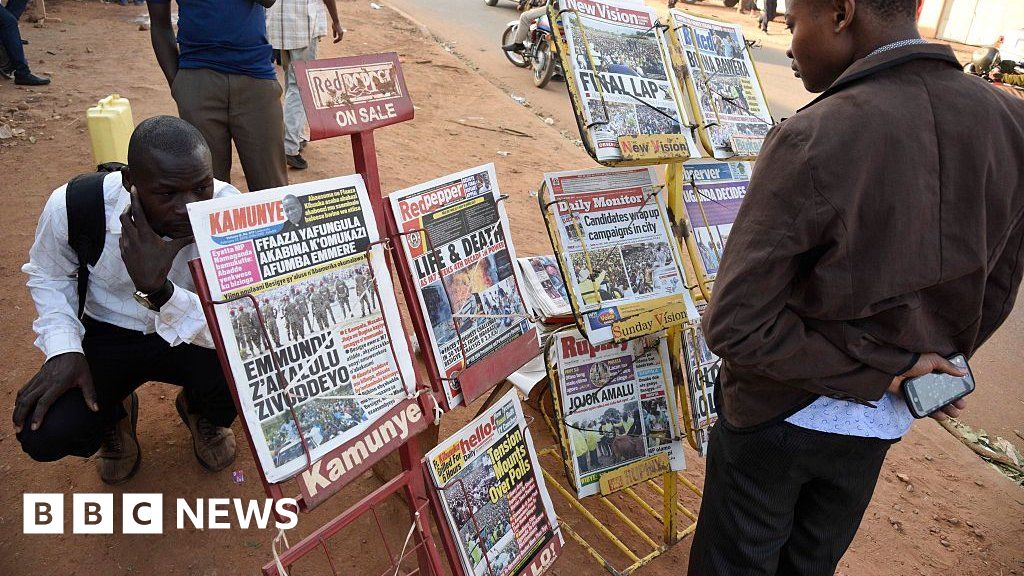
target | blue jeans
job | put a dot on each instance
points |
(10, 36)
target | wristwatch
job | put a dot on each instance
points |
(154, 300)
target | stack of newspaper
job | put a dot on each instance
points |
(610, 231)
(616, 410)
(495, 502)
(544, 289)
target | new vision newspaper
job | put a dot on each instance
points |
(702, 366)
(617, 411)
(712, 194)
(610, 230)
(454, 236)
(620, 67)
(493, 494)
(306, 253)
(726, 94)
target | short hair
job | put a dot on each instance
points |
(891, 8)
(167, 134)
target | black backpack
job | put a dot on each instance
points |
(87, 223)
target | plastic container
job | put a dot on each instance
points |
(110, 128)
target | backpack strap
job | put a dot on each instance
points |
(87, 226)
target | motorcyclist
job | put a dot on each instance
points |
(523, 30)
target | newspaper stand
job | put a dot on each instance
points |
(351, 97)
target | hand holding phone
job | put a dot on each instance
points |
(946, 383)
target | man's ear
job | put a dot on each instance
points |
(126, 178)
(843, 16)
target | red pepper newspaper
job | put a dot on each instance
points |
(307, 253)
(493, 494)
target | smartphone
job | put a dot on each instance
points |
(926, 394)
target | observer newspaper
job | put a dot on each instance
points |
(493, 494)
(309, 255)
(712, 194)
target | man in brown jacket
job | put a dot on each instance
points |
(883, 230)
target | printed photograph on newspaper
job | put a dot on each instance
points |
(726, 94)
(702, 366)
(493, 494)
(621, 68)
(611, 231)
(455, 239)
(616, 406)
(712, 194)
(545, 289)
(306, 253)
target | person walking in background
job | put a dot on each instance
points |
(222, 78)
(294, 28)
(770, 9)
(14, 46)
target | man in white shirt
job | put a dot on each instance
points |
(294, 28)
(142, 320)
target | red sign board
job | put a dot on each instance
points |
(352, 94)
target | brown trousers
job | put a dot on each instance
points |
(247, 110)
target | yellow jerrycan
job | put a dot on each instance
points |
(110, 128)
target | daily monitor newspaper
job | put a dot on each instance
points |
(616, 408)
(611, 232)
(620, 66)
(702, 367)
(712, 194)
(727, 96)
(493, 494)
(306, 253)
(455, 236)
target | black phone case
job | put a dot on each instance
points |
(913, 409)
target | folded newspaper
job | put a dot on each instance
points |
(626, 94)
(454, 232)
(610, 230)
(726, 95)
(307, 254)
(702, 366)
(545, 289)
(616, 410)
(493, 494)
(712, 194)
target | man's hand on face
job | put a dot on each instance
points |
(927, 364)
(146, 255)
(58, 375)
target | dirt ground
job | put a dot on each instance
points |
(951, 514)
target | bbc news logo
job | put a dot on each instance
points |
(144, 513)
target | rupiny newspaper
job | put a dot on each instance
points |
(454, 234)
(307, 253)
(712, 194)
(493, 494)
(726, 94)
(622, 75)
(617, 411)
(622, 267)
(702, 366)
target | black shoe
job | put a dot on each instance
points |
(30, 80)
(297, 162)
(514, 47)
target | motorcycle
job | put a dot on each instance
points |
(539, 52)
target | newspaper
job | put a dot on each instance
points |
(616, 406)
(702, 366)
(493, 494)
(620, 66)
(545, 289)
(611, 231)
(304, 252)
(728, 98)
(454, 234)
(712, 194)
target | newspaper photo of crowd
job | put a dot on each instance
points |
(607, 440)
(656, 120)
(604, 276)
(321, 420)
(642, 261)
(478, 520)
(501, 303)
(617, 117)
(294, 312)
(633, 54)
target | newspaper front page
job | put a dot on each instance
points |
(304, 252)
(455, 235)
(728, 96)
(702, 367)
(616, 406)
(623, 269)
(712, 193)
(493, 494)
(620, 65)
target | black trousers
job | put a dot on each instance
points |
(782, 500)
(121, 360)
